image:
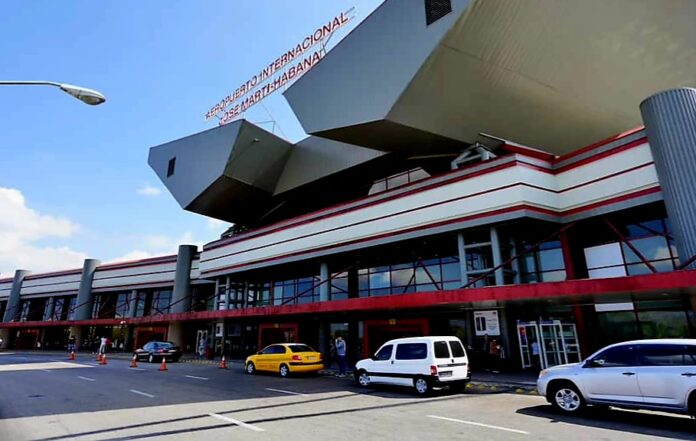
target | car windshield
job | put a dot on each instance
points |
(300, 348)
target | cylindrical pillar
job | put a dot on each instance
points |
(670, 122)
(181, 297)
(497, 257)
(83, 304)
(13, 302)
(461, 246)
(324, 275)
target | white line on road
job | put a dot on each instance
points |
(471, 423)
(287, 392)
(136, 369)
(237, 422)
(86, 378)
(142, 393)
(45, 370)
(195, 378)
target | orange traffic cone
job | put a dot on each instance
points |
(72, 355)
(99, 357)
(103, 360)
(134, 361)
(223, 363)
(163, 366)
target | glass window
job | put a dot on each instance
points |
(617, 356)
(379, 280)
(690, 355)
(402, 277)
(441, 349)
(268, 350)
(551, 259)
(479, 258)
(663, 324)
(450, 272)
(652, 248)
(411, 351)
(457, 349)
(301, 348)
(278, 349)
(384, 353)
(662, 355)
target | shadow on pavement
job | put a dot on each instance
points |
(644, 423)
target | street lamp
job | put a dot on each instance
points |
(87, 96)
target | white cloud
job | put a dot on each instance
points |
(149, 191)
(155, 245)
(21, 226)
(133, 255)
(217, 226)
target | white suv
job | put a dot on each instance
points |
(642, 374)
(420, 362)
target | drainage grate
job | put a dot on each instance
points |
(436, 9)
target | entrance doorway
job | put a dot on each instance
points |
(277, 333)
(377, 332)
(144, 335)
(26, 339)
(556, 343)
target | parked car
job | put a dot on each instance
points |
(154, 351)
(423, 363)
(286, 359)
(643, 374)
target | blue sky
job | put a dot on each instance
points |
(74, 179)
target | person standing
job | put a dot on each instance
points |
(536, 355)
(71, 343)
(202, 346)
(102, 346)
(341, 354)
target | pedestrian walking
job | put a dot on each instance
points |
(341, 354)
(494, 354)
(536, 355)
(102, 345)
(71, 343)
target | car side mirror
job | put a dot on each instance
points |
(594, 363)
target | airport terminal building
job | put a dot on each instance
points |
(471, 169)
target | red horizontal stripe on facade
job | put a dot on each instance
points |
(137, 263)
(599, 144)
(602, 155)
(573, 288)
(54, 274)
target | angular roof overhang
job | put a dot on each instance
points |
(553, 75)
(239, 172)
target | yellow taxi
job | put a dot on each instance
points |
(285, 358)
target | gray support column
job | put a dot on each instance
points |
(85, 299)
(461, 245)
(517, 278)
(670, 122)
(14, 301)
(227, 293)
(133, 303)
(325, 284)
(497, 258)
(50, 309)
(181, 297)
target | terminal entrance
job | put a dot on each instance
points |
(277, 333)
(377, 332)
(547, 343)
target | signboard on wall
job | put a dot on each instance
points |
(486, 323)
(285, 69)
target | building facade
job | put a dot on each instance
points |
(399, 216)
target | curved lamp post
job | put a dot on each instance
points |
(87, 96)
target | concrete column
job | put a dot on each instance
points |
(175, 333)
(85, 299)
(517, 278)
(497, 258)
(133, 303)
(51, 308)
(461, 245)
(181, 297)
(14, 301)
(670, 123)
(76, 331)
(227, 293)
(324, 275)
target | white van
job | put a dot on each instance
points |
(421, 362)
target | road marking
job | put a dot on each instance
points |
(86, 378)
(45, 370)
(142, 393)
(7, 353)
(195, 378)
(40, 366)
(237, 422)
(136, 369)
(472, 423)
(287, 392)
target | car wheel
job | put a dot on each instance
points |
(250, 368)
(150, 358)
(284, 370)
(566, 398)
(421, 385)
(362, 378)
(692, 404)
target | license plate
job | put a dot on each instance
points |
(445, 374)
(310, 358)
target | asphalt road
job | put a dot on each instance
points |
(42, 398)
